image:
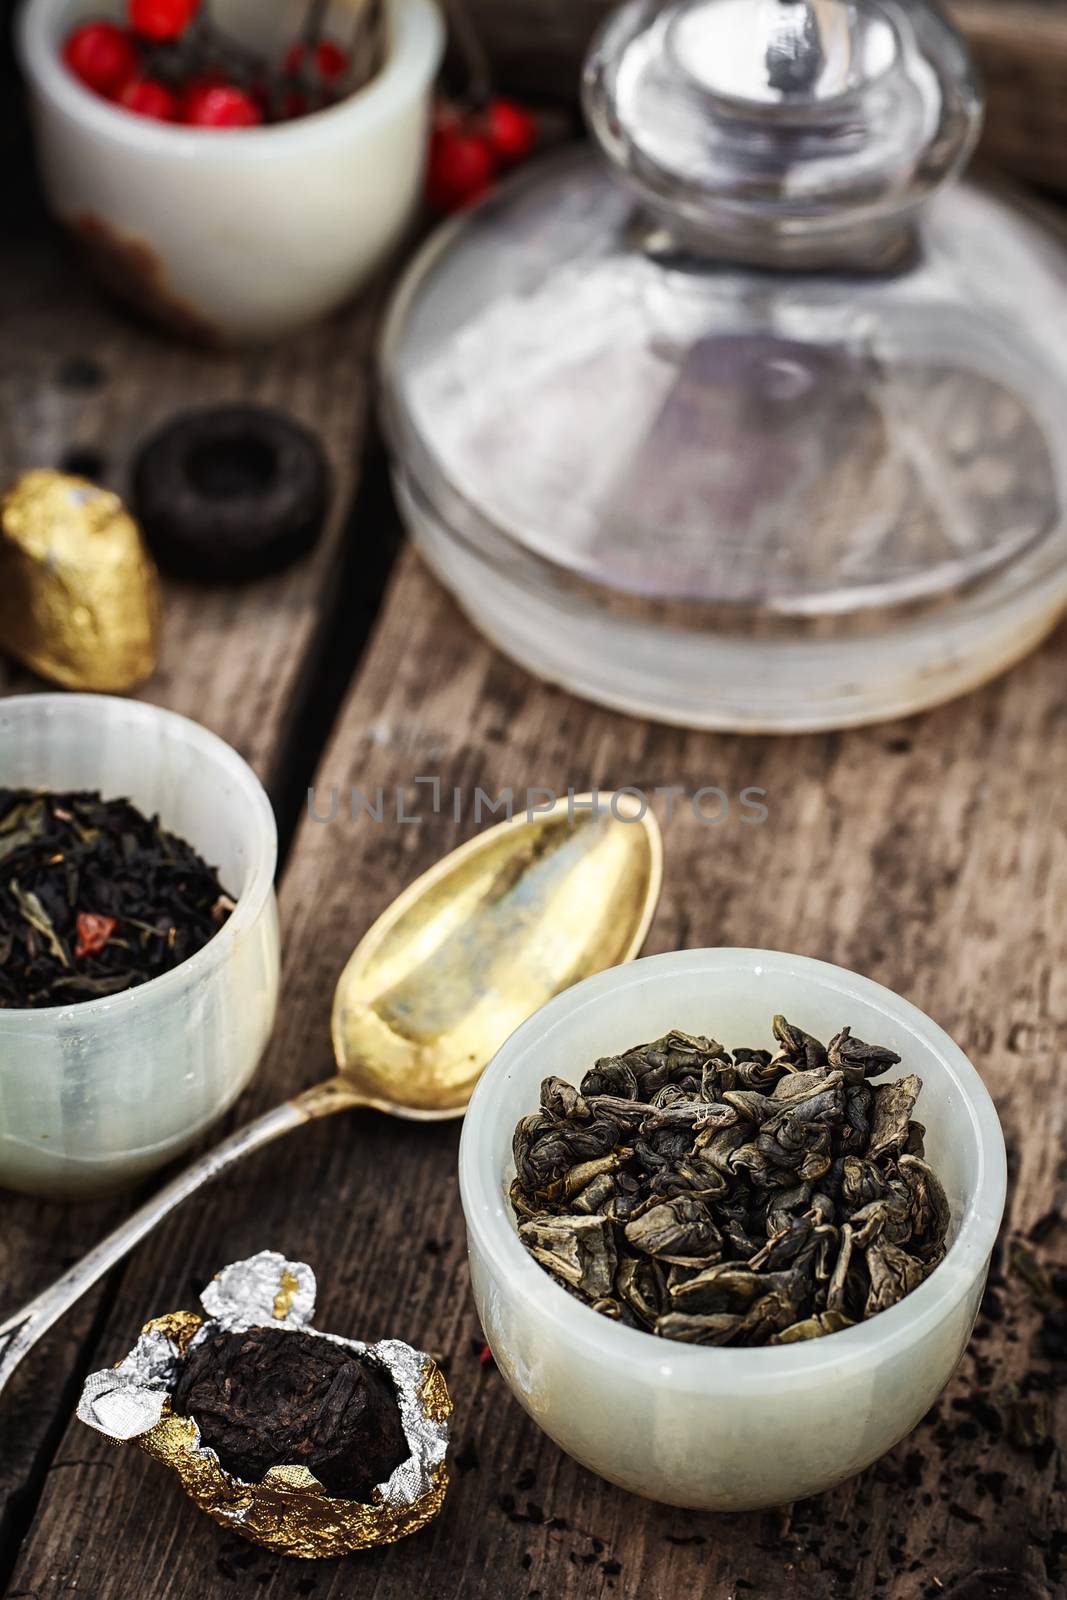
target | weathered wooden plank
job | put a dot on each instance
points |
(930, 854)
(1021, 50)
(77, 378)
(80, 382)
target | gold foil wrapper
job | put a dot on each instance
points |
(288, 1511)
(79, 593)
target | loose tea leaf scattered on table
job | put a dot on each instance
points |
(268, 1397)
(95, 898)
(732, 1198)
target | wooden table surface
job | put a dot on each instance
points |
(929, 854)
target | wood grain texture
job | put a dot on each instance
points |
(931, 855)
(230, 658)
(78, 377)
(536, 47)
(1021, 50)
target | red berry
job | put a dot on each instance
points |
(331, 62)
(94, 930)
(511, 130)
(162, 19)
(221, 105)
(101, 55)
(148, 98)
(460, 170)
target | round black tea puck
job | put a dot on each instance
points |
(230, 493)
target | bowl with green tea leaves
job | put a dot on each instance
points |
(729, 1215)
(139, 954)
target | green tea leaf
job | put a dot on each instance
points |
(37, 917)
(20, 828)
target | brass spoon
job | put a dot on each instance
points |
(450, 969)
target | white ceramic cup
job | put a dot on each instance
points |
(241, 233)
(725, 1429)
(95, 1095)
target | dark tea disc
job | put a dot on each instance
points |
(267, 1398)
(230, 493)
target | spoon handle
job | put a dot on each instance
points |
(22, 1331)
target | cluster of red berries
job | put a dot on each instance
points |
(130, 66)
(162, 64)
(468, 149)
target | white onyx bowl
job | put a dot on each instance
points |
(95, 1095)
(725, 1429)
(242, 233)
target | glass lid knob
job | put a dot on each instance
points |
(778, 51)
(784, 132)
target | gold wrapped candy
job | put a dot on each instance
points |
(79, 592)
(289, 1511)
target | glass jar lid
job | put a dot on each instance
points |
(783, 132)
(762, 396)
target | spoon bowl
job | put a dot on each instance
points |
(482, 940)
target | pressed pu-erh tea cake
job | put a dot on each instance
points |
(306, 1442)
(265, 1397)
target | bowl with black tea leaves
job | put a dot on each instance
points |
(732, 1266)
(139, 954)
